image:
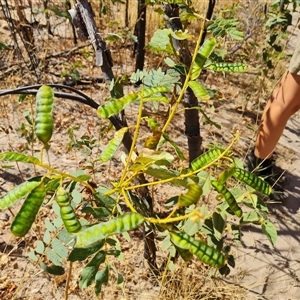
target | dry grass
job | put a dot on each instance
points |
(190, 282)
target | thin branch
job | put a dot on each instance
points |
(32, 90)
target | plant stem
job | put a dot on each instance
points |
(187, 79)
(134, 139)
(182, 176)
(68, 280)
(63, 174)
(127, 201)
(171, 220)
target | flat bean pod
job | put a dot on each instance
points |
(253, 181)
(126, 222)
(204, 159)
(191, 196)
(205, 253)
(27, 213)
(17, 193)
(220, 188)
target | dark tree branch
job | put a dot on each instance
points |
(191, 121)
(80, 97)
(32, 90)
(140, 32)
(209, 14)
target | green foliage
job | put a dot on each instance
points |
(114, 106)
(222, 27)
(89, 230)
(161, 41)
(204, 53)
(276, 28)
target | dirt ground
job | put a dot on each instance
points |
(262, 271)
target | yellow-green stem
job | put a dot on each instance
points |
(182, 176)
(65, 175)
(127, 201)
(171, 220)
(187, 79)
(134, 139)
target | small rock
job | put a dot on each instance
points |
(4, 216)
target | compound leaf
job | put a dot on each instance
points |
(87, 276)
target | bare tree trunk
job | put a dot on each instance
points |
(209, 13)
(126, 13)
(192, 124)
(140, 32)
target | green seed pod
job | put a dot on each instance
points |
(253, 181)
(126, 222)
(62, 197)
(205, 253)
(67, 212)
(191, 196)
(220, 188)
(26, 215)
(17, 193)
(185, 254)
(204, 159)
(44, 119)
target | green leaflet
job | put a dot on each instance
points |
(174, 145)
(219, 223)
(113, 145)
(185, 254)
(220, 188)
(270, 231)
(162, 172)
(207, 119)
(191, 196)
(160, 42)
(253, 181)
(223, 26)
(19, 157)
(203, 54)
(204, 159)
(100, 278)
(52, 269)
(81, 254)
(126, 222)
(199, 90)
(88, 274)
(205, 253)
(17, 193)
(27, 213)
(236, 67)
